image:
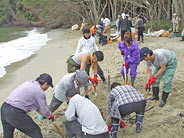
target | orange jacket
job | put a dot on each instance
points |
(93, 29)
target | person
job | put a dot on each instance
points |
(27, 97)
(93, 29)
(140, 27)
(117, 22)
(176, 21)
(107, 27)
(83, 118)
(129, 21)
(88, 44)
(130, 51)
(123, 25)
(67, 82)
(124, 100)
(101, 25)
(165, 64)
(80, 60)
(102, 39)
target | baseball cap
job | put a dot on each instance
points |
(99, 55)
(86, 30)
(47, 78)
(82, 77)
(143, 52)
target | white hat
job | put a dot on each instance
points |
(123, 15)
(174, 14)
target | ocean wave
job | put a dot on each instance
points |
(19, 49)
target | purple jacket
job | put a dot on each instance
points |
(131, 54)
(29, 96)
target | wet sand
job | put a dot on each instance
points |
(159, 122)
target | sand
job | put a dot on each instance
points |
(158, 123)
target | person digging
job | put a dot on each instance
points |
(80, 60)
(124, 100)
(83, 118)
(165, 64)
(67, 82)
(130, 51)
(25, 98)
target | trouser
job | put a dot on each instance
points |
(175, 28)
(168, 74)
(122, 34)
(107, 31)
(13, 117)
(71, 65)
(140, 33)
(137, 107)
(99, 71)
(73, 128)
(102, 39)
(133, 69)
(54, 104)
(101, 28)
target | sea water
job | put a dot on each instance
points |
(19, 49)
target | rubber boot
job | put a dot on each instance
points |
(114, 130)
(132, 81)
(139, 120)
(155, 93)
(164, 99)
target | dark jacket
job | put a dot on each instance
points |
(123, 24)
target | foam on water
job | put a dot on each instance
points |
(19, 49)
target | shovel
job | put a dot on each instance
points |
(57, 128)
(96, 95)
(125, 75)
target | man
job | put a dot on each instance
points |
(124, 100)
(165, 64)
(69, 81)
(117, 22)
(27, 97)
(88, 44)
(176, 22)
(107, 27)
(140, 27)
(80, 60)
(83, 118)
(93, 30)
(123, 25)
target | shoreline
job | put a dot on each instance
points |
(50, 59)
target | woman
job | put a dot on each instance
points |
(130, 51)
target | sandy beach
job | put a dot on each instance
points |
(158, 123)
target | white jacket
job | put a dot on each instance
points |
(86, 45)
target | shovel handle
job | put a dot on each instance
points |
(57, 128)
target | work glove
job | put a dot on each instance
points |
(94, 80)
(147, 87)
(122, 52)
(87, 96)
(125, 64)
(51, 117)
(152, 80)
(41, 118)
(122, 124)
